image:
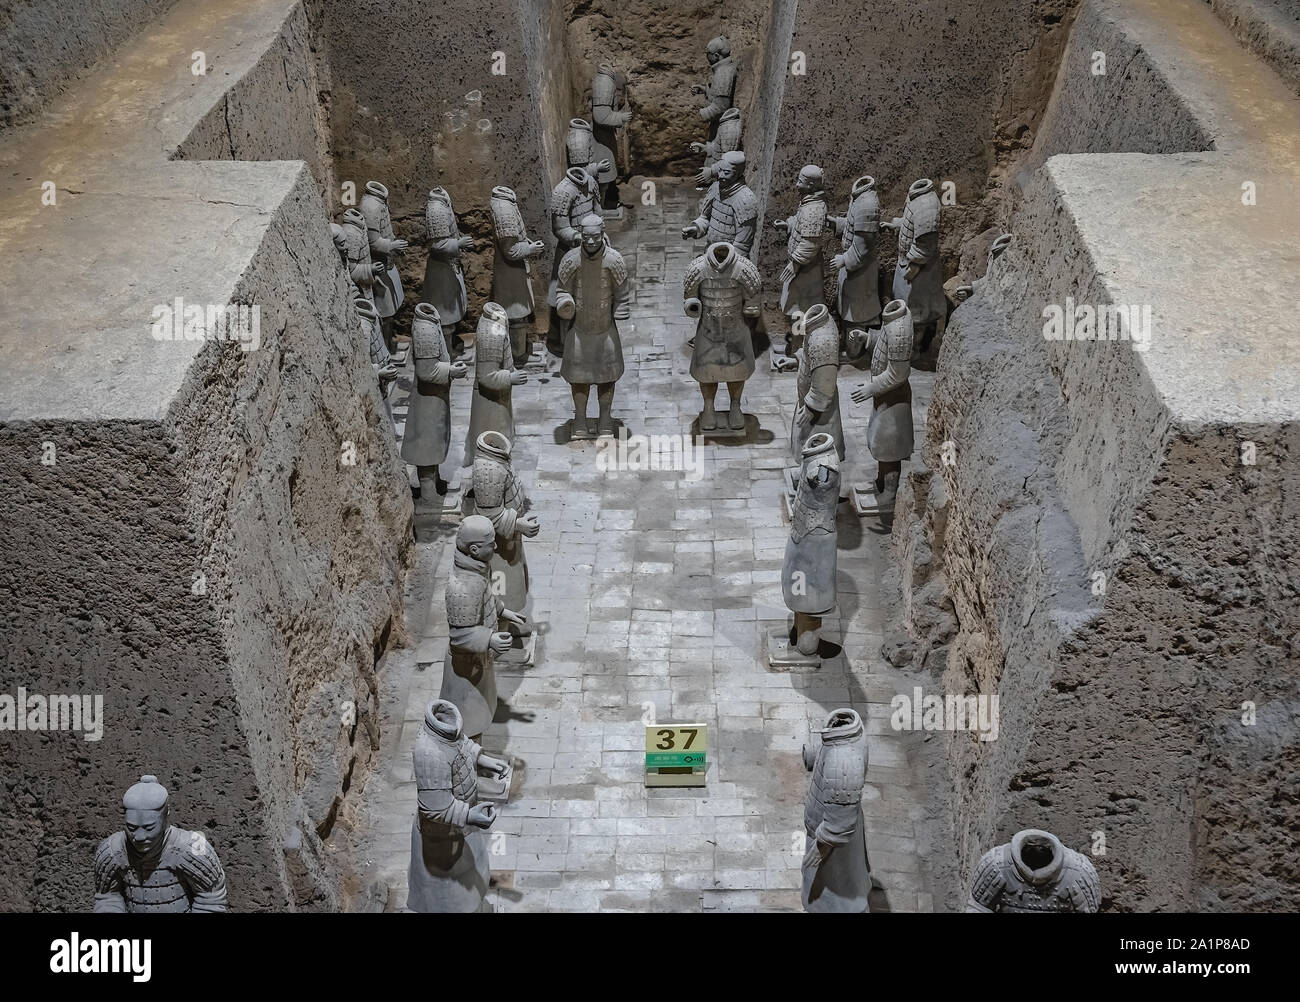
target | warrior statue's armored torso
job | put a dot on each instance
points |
(725, 283)
(808, 571)
(1034, 872)
(182, 875)
(499, 497)
(836, 872)
(468, 675)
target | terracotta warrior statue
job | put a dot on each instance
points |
(449, 869)
(808, 571)
(444, 280)
(729, 213)
(721, 88)
(1034, 873)
(918, 275)
(728, 140)
(512, 285)
(573, 199)
(384, 246)
(362, 269)
(609, 116)
(836, 870)
(802, 278)
(593, 291)
(858, 272)
(153, 866)
(817, 408)
(495, 378)
(468, 674)
(996, 250)
(499, 497)
(889, 433)
(428, 417)
(371, 323)
(722, 288)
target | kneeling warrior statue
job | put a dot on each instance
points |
(918, 275)
(428, 415)
(444, 279)
(858, 274)
(889, 432)
(593, 292)
(1034, 873)
(512, 285)
(836, 869)
(722, 288)
(153, 866)
(383, 246)
(449, 869)
(808, 571)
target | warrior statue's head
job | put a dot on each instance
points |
(730, 169)
(145, 805)
(718, 48)
(810, 179)
(477, 538)
(593, 234)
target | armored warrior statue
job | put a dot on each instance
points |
(889, 433)
(729, 213)
(340, 238)
(1034, 873)
(468, 674)
(818, 406)
(383, 362)
(512, 286)
(803, 277)
(836, 870)
(153, 866)
(996, 250)
(858, 281)
(361, 267)
(449, 869)
(721, 89)
(444, 281)
(808, 571)
(428, 418)
(593, 292)
(609, 115)
(383, 246)
(722, 287)
(728, 140)
(918, 275)
(499, 497)
(495, 378)
(573, 199)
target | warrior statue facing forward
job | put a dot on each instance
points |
(1034, 872)
(444, 279)
(722, 288)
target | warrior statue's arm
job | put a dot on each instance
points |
(474, 638)
(718, 103)
(108, 880)
(494, 367)
(361, 273)
(894, 376)
(431, 373)
(382, 245)
(441, 806)
(986, 883)
(622, 296)
(805, 253)
(204, 875)
(517, 251)
(856, 252)
(839, 824)
(691, 304)
(859, 343)
(448, 248)
(924, 248)
(822, 388)
(605, 114)
(501, 517)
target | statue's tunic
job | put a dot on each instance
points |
(918, 242)
(428, 415)
(182, 875)
(492, 408)
(833, 814)
(817, 386)
(858, 281)
(808, 571)
(889, 432)
(512, 285)
(499, 497)
(576, 195)
(468, 673)
(379, 232)
(807, 231)
(444, 282)
(1005, 882)
(729, 215)
(728, 139)
(596, 284)
(450, 865)
(726, 283)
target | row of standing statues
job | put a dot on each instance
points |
(153, 866)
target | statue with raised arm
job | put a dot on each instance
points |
(153, 866)
(836, 870)
(594, 293)
(857, 271)
(609, 117)
(495, 378)
(444, 279)
(499, 497)
(728, 140)
(1034, 872)
(720, 92)
(428, 417)
(889, 432)
(449, 869)
(808, 571)
(918, 275)
(512, 286)
(729, 213)
(384, 247)
(722, 288)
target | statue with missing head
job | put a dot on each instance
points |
(153, 866)
(1034, 872)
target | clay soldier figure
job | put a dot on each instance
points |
(996, 250)
(469, 677)
(803, 277)
(818, 406)
(729, 213)
(495, 378)
(512, 286)
(383, 246)
(383, 362)
(722, 287)
(889, 433)
(340, 238)
(449, 869)
(1034, 873)
(721, 89)
(444, 281)
(918, 275)
(858, 281)
(153, 866)
(573, 199)
(593, 292)
(499, 497)
(728, 140)
(362, 269)
(609, 116)
(836, 870)
(428, 417)
(808, 571)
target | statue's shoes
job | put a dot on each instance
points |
(607, 430)
(581, 431)
(736, 419)
(708, 420)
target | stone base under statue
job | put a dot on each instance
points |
(783, 655)
(866, 503)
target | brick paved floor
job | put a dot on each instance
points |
(656, 588)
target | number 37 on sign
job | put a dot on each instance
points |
(674, 754)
